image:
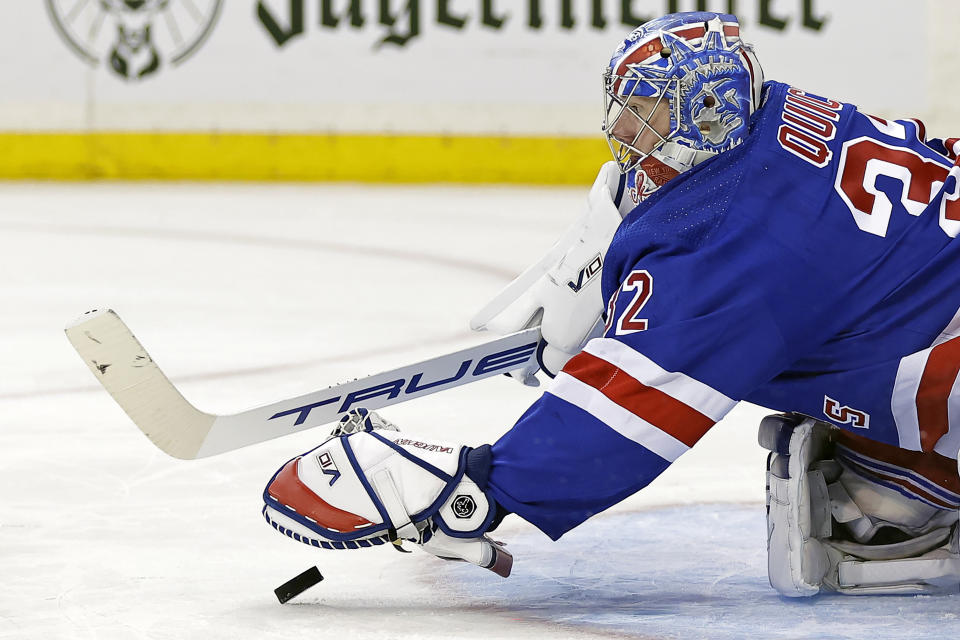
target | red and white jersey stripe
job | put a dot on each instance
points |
(665, 411)
(953, 147)
(926, 397)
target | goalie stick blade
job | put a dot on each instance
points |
(137, 384)
(295, 586)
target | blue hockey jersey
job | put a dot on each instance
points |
(810, 269)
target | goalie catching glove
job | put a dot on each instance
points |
(368, 484)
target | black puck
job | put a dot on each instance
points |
(295, 586)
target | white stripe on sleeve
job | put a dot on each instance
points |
(690, 392)
(949, 443)
(903, 402)
(621, 420)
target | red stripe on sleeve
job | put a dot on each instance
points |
(938, 377)
(671, 416)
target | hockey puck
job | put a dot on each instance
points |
(295, 586)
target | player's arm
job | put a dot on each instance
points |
(674, 360)
(609, 424)
(613, 420)
(670, 365)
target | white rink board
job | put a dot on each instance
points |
(478, 79)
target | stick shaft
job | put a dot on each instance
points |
(140, 387)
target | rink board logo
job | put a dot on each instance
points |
(400, 24)
(134, 38)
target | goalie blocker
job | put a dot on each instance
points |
(832, 528)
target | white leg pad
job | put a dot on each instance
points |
(805, 496)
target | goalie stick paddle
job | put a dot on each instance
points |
(137, 384)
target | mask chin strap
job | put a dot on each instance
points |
(680, 157)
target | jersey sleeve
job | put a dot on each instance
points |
(687, 337)
(950, 147)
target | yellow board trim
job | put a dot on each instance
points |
(300, 157)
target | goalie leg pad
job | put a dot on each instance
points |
(797, 507)
(370, 486)
(825, 532)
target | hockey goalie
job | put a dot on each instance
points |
(758, 243)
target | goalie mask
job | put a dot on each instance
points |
(678, 90)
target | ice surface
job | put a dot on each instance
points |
(249, 293)
(691, 571)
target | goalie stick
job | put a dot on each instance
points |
(137, 384)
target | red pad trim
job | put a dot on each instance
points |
(907, 486)
(938, 469)
(289, 490)
(938, 377)
(671, 416)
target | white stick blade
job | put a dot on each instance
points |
(130, 376)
